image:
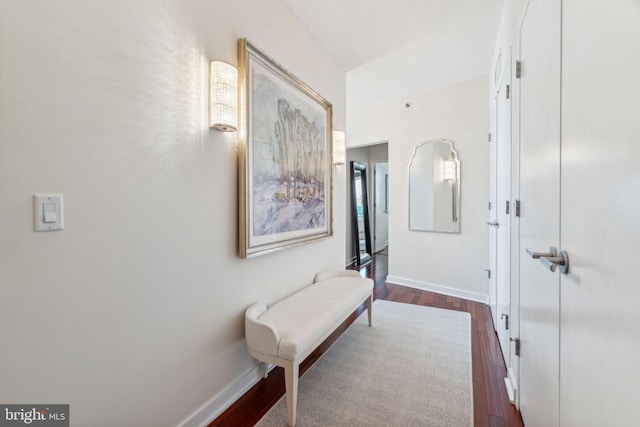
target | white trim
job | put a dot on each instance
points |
(219, 403)
(512, 387)
(440, 289)
(366, 144)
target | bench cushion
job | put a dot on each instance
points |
(304, 317)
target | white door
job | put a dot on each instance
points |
(492, 221)
(539, 85)
(600, 318)
(381, 205)
(503, 211)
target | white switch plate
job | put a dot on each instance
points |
(55, 213)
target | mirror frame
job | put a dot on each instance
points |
(456, 188)
(360, 259)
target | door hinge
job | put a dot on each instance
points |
(518, 208)
(508, 91)
(507, 207)
(516, 341)
(488, 273)
(518, 69)
(489, 206)
(489, 137)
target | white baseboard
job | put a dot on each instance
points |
(440, 289)
(223, 400)
(512, 387)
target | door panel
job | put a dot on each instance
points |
(381, 203)
(499, 218)
(600, 214)
(539, 85)
(491, 217)
(503, 209)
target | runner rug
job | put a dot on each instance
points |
(411, 368)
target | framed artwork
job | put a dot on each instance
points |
(285, 151)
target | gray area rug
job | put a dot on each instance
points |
(411, 368)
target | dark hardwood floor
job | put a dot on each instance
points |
(491, 405)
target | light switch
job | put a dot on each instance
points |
(49, 210)
(48, 213)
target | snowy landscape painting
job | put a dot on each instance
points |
(288, 160)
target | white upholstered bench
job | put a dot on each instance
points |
(286, 332)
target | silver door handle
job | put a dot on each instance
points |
(493, 224)
(562, 261)
(536, 255)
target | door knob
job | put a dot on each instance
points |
(552, 259)
(562, 261)
(536, 255)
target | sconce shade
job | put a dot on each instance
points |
(339, 148)
(223, 97)
(449, 173)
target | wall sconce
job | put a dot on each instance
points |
(449, 170)
(223, 96)
(449, 174)
(339, 147)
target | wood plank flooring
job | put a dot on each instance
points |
(491, 405)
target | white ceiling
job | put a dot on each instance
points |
(356, 32)
(396, 50)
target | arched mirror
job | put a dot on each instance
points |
(360, 213)
(434, 187)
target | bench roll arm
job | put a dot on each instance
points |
(260, 336)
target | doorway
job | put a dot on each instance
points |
(375, 158)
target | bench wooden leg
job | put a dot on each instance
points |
(291, 371)
(369, 306)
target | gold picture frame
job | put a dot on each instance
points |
(285, 168)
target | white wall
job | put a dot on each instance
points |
(447, 263)
(134, 313)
